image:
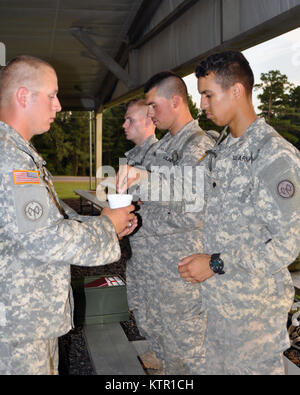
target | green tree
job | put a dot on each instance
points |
(65, 147)
(193, 107)
(76, 128)
(280, 105)
(294, 98)
(292, 116)
(275, 94)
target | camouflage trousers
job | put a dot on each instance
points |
(167, 310)
(230, 352)
(181, 353)
(38, 357)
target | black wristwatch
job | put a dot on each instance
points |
(216, 264)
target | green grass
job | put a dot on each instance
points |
(65, 189)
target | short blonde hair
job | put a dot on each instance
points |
(137, 102)
(23, 70)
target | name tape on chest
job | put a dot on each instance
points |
(22, 177)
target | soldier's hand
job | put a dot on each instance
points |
(195, 268)
(130, 228)
(128, 176)
(122, 218)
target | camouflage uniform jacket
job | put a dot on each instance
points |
(253, 219)
(136, 156)
(38, 246)
(182, 150)
(167, 309)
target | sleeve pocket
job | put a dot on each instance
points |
(32, 208)
(283, 183)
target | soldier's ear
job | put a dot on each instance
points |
(22, 96)
(176, 101)
(238, 90)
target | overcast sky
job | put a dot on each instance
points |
(281, 53)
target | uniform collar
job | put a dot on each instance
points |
(13, 134)
(23, 144)
(253, 133)
(137, 148)
(148, 141)
(188, 127)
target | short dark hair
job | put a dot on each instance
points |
(229, 67)
(169, 83)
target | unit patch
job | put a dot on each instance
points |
(26, 177)
(32, 207)
(282, 181)
(33, 211)
(286, 189)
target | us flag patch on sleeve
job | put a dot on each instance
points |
(26, 177)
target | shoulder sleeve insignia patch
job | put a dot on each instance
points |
(33, 211)
(286, 189)
(32, 207)
(282, 180)
(22, 177)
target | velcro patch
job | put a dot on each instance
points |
(22, 177)
(283, 182)
(32, 208)
(286, 189)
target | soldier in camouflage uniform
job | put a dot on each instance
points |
(168, 310)
(251, 227)
(39, 241)
(139, 129)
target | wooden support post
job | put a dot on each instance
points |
(99, 126)
(2, 54)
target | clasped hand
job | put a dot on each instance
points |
(123, 219)
(195, 268)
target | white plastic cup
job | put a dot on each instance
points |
(119, 200)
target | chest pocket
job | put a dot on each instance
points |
(32, 208)
(163, 158)
(246, 192)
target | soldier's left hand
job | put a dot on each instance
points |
(195, 268)
(129, 229)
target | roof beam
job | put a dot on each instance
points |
(82, 36)
(168, 20)
(143, 16)
(2, 55)
(141, 20)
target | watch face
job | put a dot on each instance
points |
(217, 265)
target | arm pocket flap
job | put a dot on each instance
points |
(31, 203)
